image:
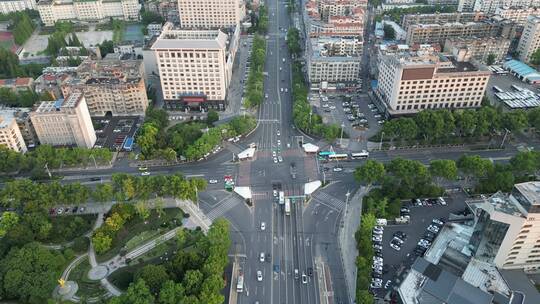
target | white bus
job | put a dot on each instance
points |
(287, 206)
(281, 197)
(338, 156)
(360, 155)
(240, 283)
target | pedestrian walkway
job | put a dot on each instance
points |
(223, 207)
(328, 200)
(347, 242)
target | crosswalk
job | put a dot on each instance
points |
(223, 207)
(328, 200)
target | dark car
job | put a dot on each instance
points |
(401, 235)
(310, 271)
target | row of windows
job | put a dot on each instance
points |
(438, 106)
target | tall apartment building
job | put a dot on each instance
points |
(195, 66)
(409, 83)
(478, 49)
(168, 9)
(530, 38)
(210, 14)
(430, 33)
(111, 86)
(65, 122)
(9, 6)
(10, 134)
(334, 18)
(51, 11)
(334, 62)
(517, 14)
(330, 8)
(490, 6)
(507, 228)
(441, 18)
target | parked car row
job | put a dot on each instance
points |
(428, 201)
(66, 210)
(428, 237)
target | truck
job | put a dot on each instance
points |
(240, 283)
(287, 206)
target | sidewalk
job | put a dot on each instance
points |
(347, 242)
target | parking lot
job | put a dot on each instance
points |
(396, 262)
(112, 132)
(505, 82)
(360, 119)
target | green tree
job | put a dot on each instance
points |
(372, 171)
(192, 281)
(212, 117)
(102, 193)
(30, 273)
(8, 219)
(171, 293)
(515, 120)
(443, 169)
(106, 47)
(491, 59)
(143, 212)
(101, 242)
(154, 276)
(137, 293)
(535, 57)
(534, 118)
(474, 166)
(363, 296)
(389, 32)
(526, 162)
(147, 139)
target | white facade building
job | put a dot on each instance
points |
(10, 134)
(490, 6)
(210, 14)
(411, 83)
(65, 122)
(8, 6)
(518, 15)
(51, 11)
(195, 66)
(530, 38)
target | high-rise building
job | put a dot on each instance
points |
(441, 18)
(507, 228)
(490, 6)
(51, 11)
(210, 14)
(65, 122)
(195, 66)
(530, 38)
(110, 86)
(10, 134)
(409, 83)
(517, 14)
(9, 6)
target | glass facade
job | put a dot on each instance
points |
(487, 236)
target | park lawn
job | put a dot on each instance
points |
(136, 226)
(125, 276)
(87, 287)
(141, 238)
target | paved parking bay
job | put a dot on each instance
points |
(112, 131)
(421, 217)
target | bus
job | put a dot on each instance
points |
(240, 283)
(360, 155)
(281, 197)
(497, 89)
(288, 206)
(343, 156)
(326, 153)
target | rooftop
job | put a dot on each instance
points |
(499, 202)
(531, 191)
(6, 117)
(173, 38)
(71, 101)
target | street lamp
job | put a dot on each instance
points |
(380, 143)
(341, 137)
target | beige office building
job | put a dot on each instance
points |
(9, 6)
(195, 66)
(51, 11)
(507, 228)
(65, 122)
(10, 134)
(530, 39)
(110, 86)
(411, 83)
(517, 14)
(210, 14)
(478, 49)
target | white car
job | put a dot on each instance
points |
(274, 193)
(275, 160)
(261, 257)
(437, 222)
(280, 159)
(273, 153)
(286, 90)
(263, 226)
(278, 133)
(281, 89)
(265, 95)
(433, 228)
(337, 169)
(388, 284)
(395, 247)
(213, 181)
(332, 107)
(375, 286)
(259, 276)
(146, 173)
(304, 278)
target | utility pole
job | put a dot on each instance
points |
(48, 171)
(504, 138)
(380, 143)
(341, 137)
